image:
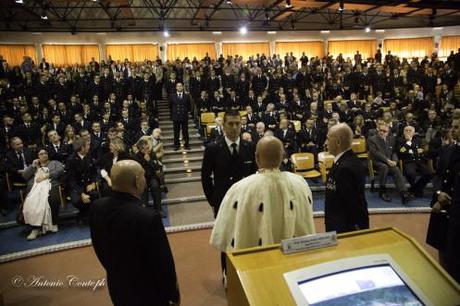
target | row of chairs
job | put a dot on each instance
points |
(304, 163)
(21, 187)
(207, 121)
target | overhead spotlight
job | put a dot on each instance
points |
(19, 1)
(367, 29)
(288, 4)
(243, 30)
(44, 17)
(228, 1)
(166, 34)
(341, 7)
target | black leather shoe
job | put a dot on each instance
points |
(384, 196)
(405, 198)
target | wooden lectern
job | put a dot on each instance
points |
(255, 276)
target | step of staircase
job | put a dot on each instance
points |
(173, 178)
(169, 136)
(192, 142)
(183, 152)
(184, 164)
(196, 157)
(185, 189)
(182, 169)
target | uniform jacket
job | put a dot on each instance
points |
(131, 244)
(345, 205)
(217, 161)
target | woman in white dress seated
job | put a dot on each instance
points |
(41, 206)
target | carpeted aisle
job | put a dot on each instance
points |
(197, 264)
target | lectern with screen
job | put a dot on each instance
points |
(363, 280)
(370, 267)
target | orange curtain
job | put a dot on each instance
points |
(65, 55)
(246, 49)
(348, 48)
(449, 43)
(191, 50)
(311, 48)
(14, 54)
(132, 52)
(409, 47)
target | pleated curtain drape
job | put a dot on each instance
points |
(14, 54)
(246, 49)
(348, 48)
(409, 47)
(448, 44)
(198, 50)
(132, 52)
(311, 48)
(68, 55)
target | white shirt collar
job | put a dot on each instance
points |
(340, 155)
(229, 143)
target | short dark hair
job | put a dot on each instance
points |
(78, 144)
(231, 113)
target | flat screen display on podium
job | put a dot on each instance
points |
(365, 280)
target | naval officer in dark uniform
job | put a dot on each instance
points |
(131, 243)
(226, 161)
(346, 205)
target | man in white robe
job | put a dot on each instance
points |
(266, 207)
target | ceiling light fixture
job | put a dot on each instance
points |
(166, 33)
(217, 32)
(271, 32)
(438, 28)
(44, 17)
(19, 2)
(367, 29)
(380, 31)
(325, 32)
(243, 30)
(288, 4)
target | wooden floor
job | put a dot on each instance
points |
(197, 265)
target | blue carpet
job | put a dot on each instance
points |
(14, 239)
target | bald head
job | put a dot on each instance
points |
(339, 138)
(269, 152)
(128, 176)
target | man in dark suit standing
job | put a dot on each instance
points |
(131, 243)
(345, 205)
(228, 160)
(180, 106)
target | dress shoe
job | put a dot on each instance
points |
(405, 198)
(384, 196)
(33, 234)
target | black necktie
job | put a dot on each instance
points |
(21, 161)
(234, 151)
(57, 148)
